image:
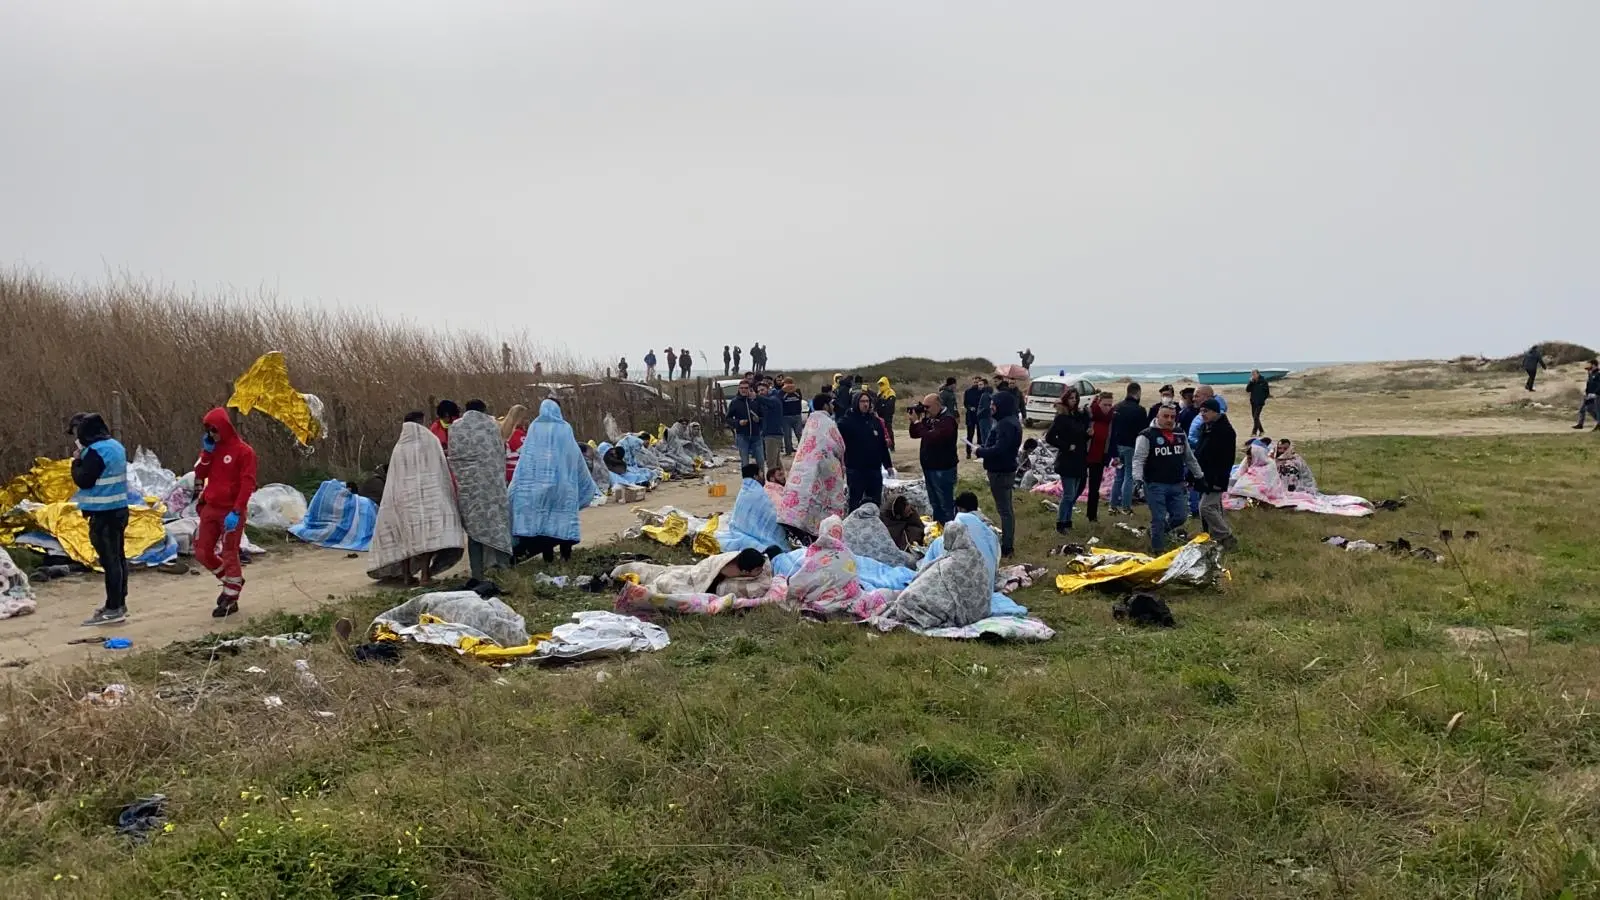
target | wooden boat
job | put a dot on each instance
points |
(1237, 376)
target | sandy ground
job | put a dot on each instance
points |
(1368, 399)
(167, 608)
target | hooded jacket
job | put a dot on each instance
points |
(1533, 360)
(999, 455)
(772, 415)
(1069, 434)
(1591, 385)
(885, 402)
(866, 446)
(748, 410)
(1127, 420)
(1216, 451)
(100, 469)
(228, 470)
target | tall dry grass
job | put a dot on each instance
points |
(173, 356)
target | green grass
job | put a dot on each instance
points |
(1311, 729)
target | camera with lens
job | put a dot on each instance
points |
(919, 408)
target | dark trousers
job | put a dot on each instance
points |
(106, 531)
(972, 432)
(1000, 487)
(1255, 417)
(1096, 473)
(866, 486)
(941, 493)
(1531, 375)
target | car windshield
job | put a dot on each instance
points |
(730, 391)
(1051, 389)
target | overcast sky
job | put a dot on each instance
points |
(845, 181)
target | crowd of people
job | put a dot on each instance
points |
(680, 363)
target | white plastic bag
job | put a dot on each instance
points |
(276, 507)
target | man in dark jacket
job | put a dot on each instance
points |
(771, 427)
(1218, 448)
(100, 470)
(1162, 464)
(937, 428)
(1259, 391)
(744, 417)
(1165, 395)
(794, 419)
(1532, 362)
(1127, 420)
(727, 361)
(1069, 434)
(1188, 409)
(969, 401)
(866, 451)
(1591, 395)
(947, 394)
(999, 455)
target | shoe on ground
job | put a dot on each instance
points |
(1063, 527)
(103, 616)
(1578, 427)
(225, 608)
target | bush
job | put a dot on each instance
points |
(171, 357)
(1556, 353)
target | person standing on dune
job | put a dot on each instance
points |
(1532, 362)
(685, 362)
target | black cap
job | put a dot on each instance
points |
(73, 423)
(1212, 405)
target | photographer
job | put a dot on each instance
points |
(938, 430)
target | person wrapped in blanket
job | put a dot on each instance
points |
(728, 581)
(952, 592)
(816, 487)
(866, 535)
(904, 525)
(1296, 472)
(753, 524)
(552, 484)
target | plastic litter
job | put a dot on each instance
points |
(303, 674)
(595, 633)
(288, 641)
(272, 701)
(143, 818)
(276, 507)
(117, 643)
(112, 695)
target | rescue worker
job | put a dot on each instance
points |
(100, 470)
(224, 477)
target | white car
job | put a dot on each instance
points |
(1043, 392)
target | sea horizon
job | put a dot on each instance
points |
(1169, 371)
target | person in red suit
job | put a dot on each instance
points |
(225, 477)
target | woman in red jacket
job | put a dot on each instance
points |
(1099, 438)
(224, 477)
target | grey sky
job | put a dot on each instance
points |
(1106, 182)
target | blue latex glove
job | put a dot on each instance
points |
(231, 522)
(207, 444)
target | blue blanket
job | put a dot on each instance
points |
(338, 519)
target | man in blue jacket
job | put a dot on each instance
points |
(771, 426)
(744, 417)
(999, 455)
(100, 470)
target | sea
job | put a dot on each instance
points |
(1162, 373)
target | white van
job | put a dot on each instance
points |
(1044, 391)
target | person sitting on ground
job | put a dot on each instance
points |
(905, 526)
(550, 487)
(1218, 447)
(445, 414)
(953, 591)
(866, 452)
(1297, 475)
(977, 528)
(753, 524)
(1162, 461)
(1591, 394)
(866, 535)
(1025, 456)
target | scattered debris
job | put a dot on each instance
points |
(141, 819)
(602, 676)
(1143, 609)
(108, 697)
(117, 643)
(256, 670)
(1397, 547)
(1467, 636)
(272, 701)
(323, 714)
(1131, 529)
(387, 652)
(288, 641)
(307, 678)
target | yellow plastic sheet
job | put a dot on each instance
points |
(49, 481)
(265, 387)
(1137, 568)
(671, 532)
(489, 651)
(705, 543)
(66, 524)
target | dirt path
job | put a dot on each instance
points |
(168, 608)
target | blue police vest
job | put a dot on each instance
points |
(110, 491)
